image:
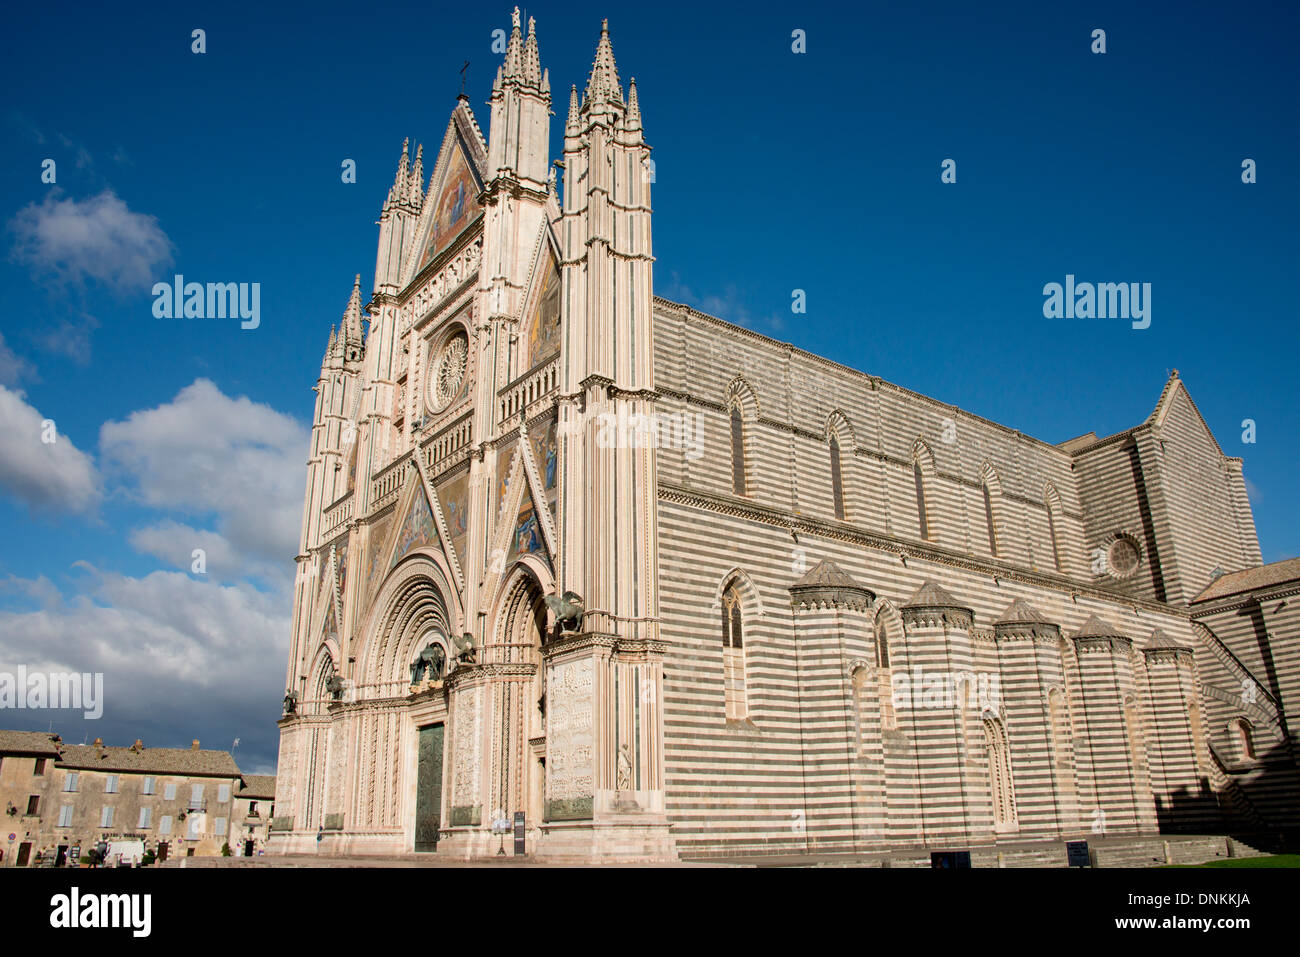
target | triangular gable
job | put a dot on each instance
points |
(528, 536)
(453, 498)
(541, 326)
(544, 475)
(416, 529)
(1174, 394)
(451, 205)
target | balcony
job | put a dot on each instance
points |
(529, 389)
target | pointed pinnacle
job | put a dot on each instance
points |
(633, 107)
(416, 190)
(514, 54)
(602, 84)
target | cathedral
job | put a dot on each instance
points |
(638, 584)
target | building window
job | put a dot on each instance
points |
(40, 766)
(150, 786)
(1245, 740)
(223, 793)
(165, 824)
(1001, 788)
(196, 796)
(922, 519)
(65, 816)
(733, 654)
(988, 521)
(106, 816)
(1051, 530)
(837, 479)
(70, 782)
(252, 809)
(219, 826)
(34, 804)
(110, 784)
(146, 814)
(169, 792)
(737, 451)
(194, 827)
(1133, 730)
(884, 681)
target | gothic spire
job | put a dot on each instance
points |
(571, 126)
(603, 85)
(401, 185)
(532, 64)
(416, 189)
(514, 50)
(351, 324)
(633, 107)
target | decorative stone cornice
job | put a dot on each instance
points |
(788, 521)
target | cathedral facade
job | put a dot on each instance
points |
(669, 588)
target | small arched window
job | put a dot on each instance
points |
(988, 520)
(1001, 788)
(1051, 531)
(884, 680)
(737, 451)
(837, 481)
(1245, 739)
(733, 654)
(922, 519)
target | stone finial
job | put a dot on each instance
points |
(415, 188)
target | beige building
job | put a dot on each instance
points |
(67, 798)
(667, 587)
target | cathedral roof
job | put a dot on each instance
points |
(1248, 579)
(826, 574)
(930, 595)
(1021, 612)
(1160, 640)
(1095, 627)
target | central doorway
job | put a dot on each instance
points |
(428, 789)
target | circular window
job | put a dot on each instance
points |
(1123, 557)
(447, 372)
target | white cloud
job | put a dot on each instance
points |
(205, 453)
(13, 367)
(42, 474)
(99, 238)
(179, 656)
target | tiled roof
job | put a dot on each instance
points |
(1248, 579)
(40, 743)
(930, 595)
(1019, 612)
(1159, 640)
(826, 574)
(1094, 627)
(88, 757)
(258, 786)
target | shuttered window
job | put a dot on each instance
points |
(65, 816)
(165, 824)
(106, 816)
(146, 815)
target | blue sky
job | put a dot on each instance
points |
(775, 171)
